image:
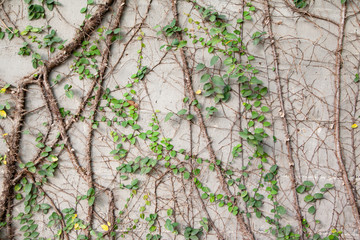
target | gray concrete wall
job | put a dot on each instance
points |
(307, 44)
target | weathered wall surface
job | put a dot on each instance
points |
(307, 58)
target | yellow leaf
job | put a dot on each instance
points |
(76, 226)
(4, 162)
(354, 125)
(2, 113)
(198, 92)
(5, 134)
(75, 215)
(3, 90)
(54, 159)
(109, 224)
(105, 227)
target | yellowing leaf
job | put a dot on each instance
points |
(105, 227)
(198, 92)
(54, 158)
(4, 162)
(109, 224)
(76, 226)
(354, 126)
(3, 90)
(3, 113)
(73, 217)
(5, 134)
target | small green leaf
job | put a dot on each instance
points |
(182, 112)
(169, 212)
(200, 66)
(308, 183)
(300, 189)
(312, 210)
(28, 188)
(205, 78)
(318, 196)
(328, 185)
(214, 60)
(308, 198)
(204, 196)
(281, 210)
(91, 200)
(189, 117)
(168, 116)
(218, 81)
(265, 109)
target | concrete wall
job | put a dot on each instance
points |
(307, 44)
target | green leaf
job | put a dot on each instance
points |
(17, 187)
(189, 117)
(182, 112)
(83, 10)
(265, 109)
(328, 185)
(312, 210)
(40, 145)
(267, 124)
(28, 188)
(117, 30)
(318, 196)
(182, 44)
(214, 60)
(45, 206)
(200, 66)
(205, 78)
(27, 209)
(281, 210)
(136, 126)
(69, 94)
(308, 183)
(309, 198)
(91, 200)
(250, 58)
(186, 175)
(90, 192)
(273, 168)
(169, 212)
(48, 149)
(218, 81)
(300, 189)
(357, 78)
(168, 116)
(204, 196)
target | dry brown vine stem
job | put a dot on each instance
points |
(10, 171)
(337, 95)
(306, 14)
(56, 209)
(268, 22)
(13, 156)
(100, 80)
(246, 232)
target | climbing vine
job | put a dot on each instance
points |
(165, 130)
